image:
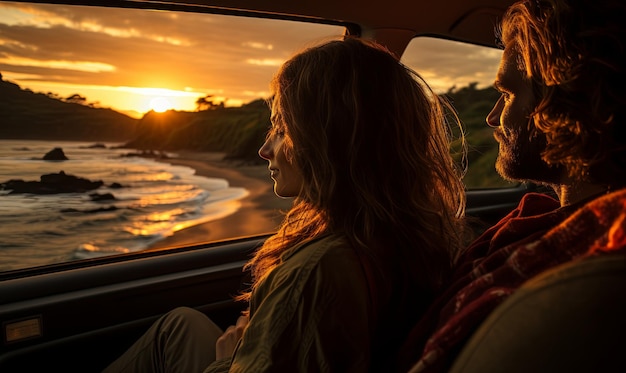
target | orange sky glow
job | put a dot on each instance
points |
(134, 61)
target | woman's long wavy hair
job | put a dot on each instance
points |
(373, 146)
(574, 52)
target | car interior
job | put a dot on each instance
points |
(80, 315)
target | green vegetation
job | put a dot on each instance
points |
(28, 115)
(236, 131)
(472, 107)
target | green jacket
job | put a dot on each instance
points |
(313, 313)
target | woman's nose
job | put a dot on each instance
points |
(493, 118)
(265, 150)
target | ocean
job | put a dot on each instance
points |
(156, 199)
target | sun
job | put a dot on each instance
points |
(160, 104)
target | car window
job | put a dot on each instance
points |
(127, 130)
(464, 73)
(98, 105)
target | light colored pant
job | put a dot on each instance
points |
(182, 340)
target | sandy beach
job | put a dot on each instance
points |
(259, 211)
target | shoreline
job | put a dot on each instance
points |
(260, 212)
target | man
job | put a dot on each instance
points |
(560, 121)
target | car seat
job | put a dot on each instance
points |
(571, 318)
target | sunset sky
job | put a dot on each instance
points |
(137, 60)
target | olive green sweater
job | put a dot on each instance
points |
(312, 313)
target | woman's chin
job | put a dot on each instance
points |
(282, 193)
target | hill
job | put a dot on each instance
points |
(473, 105)
(28, 115)
(237, 131)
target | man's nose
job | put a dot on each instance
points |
(493, 118)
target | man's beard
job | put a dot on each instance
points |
(519, 159)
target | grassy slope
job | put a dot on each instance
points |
(473, 105)
(237, 131)
(28, 115)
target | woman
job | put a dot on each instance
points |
(361, 142)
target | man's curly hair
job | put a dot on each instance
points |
(575, 56)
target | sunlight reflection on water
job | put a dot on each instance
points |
(155, 200)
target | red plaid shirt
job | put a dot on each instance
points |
(536, 236)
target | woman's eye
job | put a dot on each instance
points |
(275, 131)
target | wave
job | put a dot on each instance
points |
(151, 200)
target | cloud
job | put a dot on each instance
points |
(257, 45)
(130, 47)
(265, 62)
(92, 67)
(235, 56)
(445, 63)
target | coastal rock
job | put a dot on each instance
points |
(97, 197)
(94, 146)
(52, 184)
(147, 153)
(91, 211)
(55, 154)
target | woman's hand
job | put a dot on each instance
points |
(225, 345)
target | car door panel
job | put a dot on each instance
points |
(77, 311)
